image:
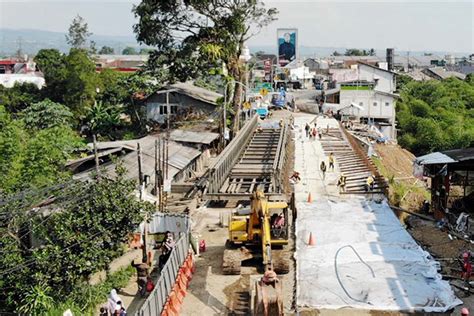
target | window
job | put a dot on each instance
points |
(387, 103)
(375, 103)
(163, 110)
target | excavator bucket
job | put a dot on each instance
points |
(268, 300)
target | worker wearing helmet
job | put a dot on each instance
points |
(341, 183)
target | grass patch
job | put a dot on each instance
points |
(402, 193)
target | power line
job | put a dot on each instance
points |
(30, 262)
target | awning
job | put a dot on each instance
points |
(434, 158)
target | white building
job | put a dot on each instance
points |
(298, 72)
(373, 92)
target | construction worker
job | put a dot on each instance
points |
(467, 267)
(331, 161)
(341, 183)
(306, 128)
(322, 166)
(369, 185)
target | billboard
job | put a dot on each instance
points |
(287, 45)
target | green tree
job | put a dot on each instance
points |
(78, 33)
(82, 234)
(103, 119)
(106, 50)
(113, 89)
(336, 53)
(46, 114)
(81, 83)
(402, 81)
(129, 51)
(436, 115)
(145, 51)
(19, 97)
(182, 40)
(31, 157)
(139, 86)
(52, 64)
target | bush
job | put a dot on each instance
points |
(436, 115)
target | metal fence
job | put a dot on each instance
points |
(154, 304)
(221, 168)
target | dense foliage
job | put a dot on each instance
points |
(81, 233)
(33, 150)
(436, 115)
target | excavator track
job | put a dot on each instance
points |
(281, 261)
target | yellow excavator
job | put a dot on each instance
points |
(261, 232)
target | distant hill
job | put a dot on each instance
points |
(33, 40)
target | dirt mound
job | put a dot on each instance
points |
(397, 160)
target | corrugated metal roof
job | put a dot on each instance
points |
(198, 93)
(461, 154)
(448, 156)
(179, 157)
(193, 137)
(434, 158)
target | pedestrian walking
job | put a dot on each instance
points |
(320, 134)
(331, 161)
(314, 131)
(322, 166)
(306, 128)
(327, 129)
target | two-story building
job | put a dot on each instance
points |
(373, 93)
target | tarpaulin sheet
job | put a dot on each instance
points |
(365, 259)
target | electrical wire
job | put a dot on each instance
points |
(339, 279)
(30, 262)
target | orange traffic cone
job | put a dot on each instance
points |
(312, 240)
(310, 199)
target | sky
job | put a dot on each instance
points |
(403, 24)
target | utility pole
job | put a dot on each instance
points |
(156, 167)
(168, 110)
(139, 156)
(142, 191)
(96, 156)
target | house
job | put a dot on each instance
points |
(14, 71)
(122, 63)
(178, 100)
(299, 74)
(184, 162)
(317, 66)
(439, 73)
(451, 182)
(372, 89)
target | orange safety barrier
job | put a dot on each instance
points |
(182, 281)
(180, 293)
(167, 310)
(187, 271)
(175, 302)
